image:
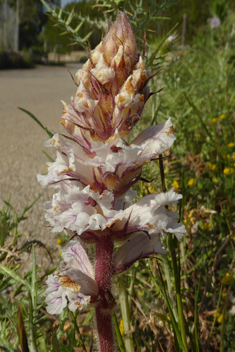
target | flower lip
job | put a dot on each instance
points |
(140, 245)
(74, 284)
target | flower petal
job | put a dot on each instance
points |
(79, 302)
(155, 140)
(56, 296)
(137, 247)
(149, 214)
(76, 257)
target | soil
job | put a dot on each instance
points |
(40, 91)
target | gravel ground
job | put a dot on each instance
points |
(38, 90)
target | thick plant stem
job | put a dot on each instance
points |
(103, 274)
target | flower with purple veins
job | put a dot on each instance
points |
(74, 283)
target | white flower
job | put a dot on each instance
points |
(114, 165)
(79, 209)
(74, 284)
(140, 245)
(148, 215)
(171, 38)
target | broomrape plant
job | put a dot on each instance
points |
(94, 170)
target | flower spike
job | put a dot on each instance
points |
(93, 173)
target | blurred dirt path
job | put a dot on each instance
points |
(38, 90)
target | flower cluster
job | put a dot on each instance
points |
(94, 170)
(214, 22)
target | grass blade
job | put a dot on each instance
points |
(196, 318)
(118, 333)
(21, 332)
(34, 282)
(50, 134)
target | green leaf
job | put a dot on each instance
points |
(199, 114)
(48, 272)
(60, 13)
(118, 333)
(152, 57)
(21, 217)
(173, 320)
(50, 134)
(78, 27)
(33, 345)
(46, 5)
(21, 332)
(6, 283)
(88, 318)
(29, 244)
(18, 291)
(34, 282)
(7, 349)
(48, 156)
(87, 37)
(69, 19)
(55, 343)
(196, 317)
(9, 272)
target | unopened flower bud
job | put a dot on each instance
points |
(111, 89)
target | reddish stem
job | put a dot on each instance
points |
(103, 275)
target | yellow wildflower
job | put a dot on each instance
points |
(228, 170)
(140, 293)
(212, 166)
(220, 318)
(223, 295)
(175, 184)
(206, 226)
(222, 116)
(59, 252)
(191, 181)
(190, 216)
(59, 241)
(233, 155)
(227, 279)
(151, 190)
(231, 145)
(121, 327)
(214, 179)
(215, 119)
(217, 313)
